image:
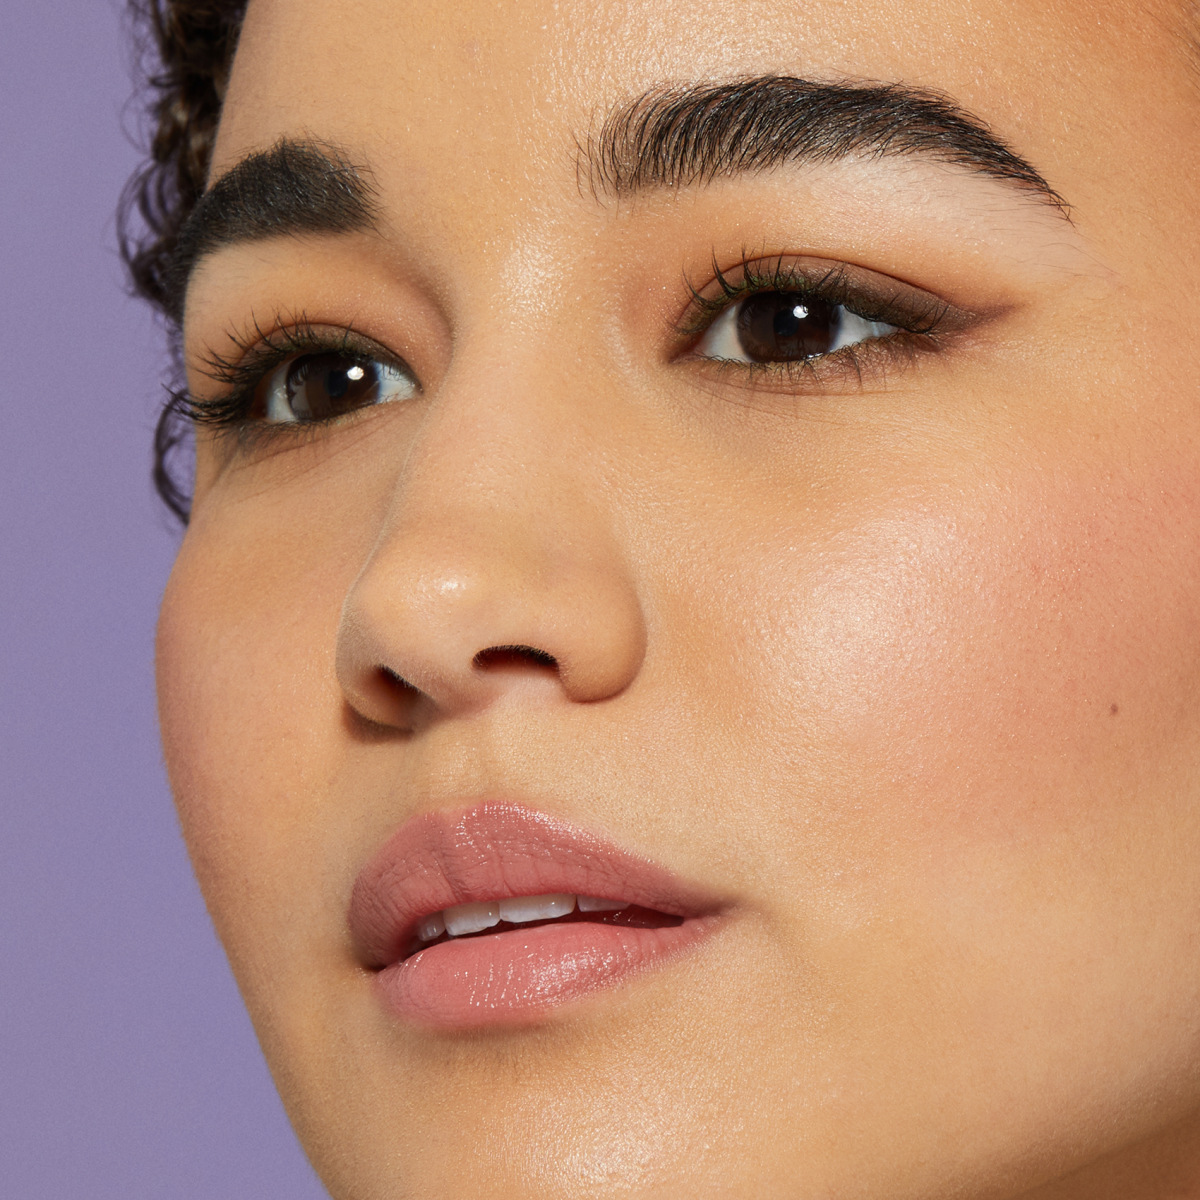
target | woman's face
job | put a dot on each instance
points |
(764, 508)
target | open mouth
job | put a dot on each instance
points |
(496, 915)
(523, 912)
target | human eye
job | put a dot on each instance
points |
(786, 327)
(319, 387)
(804, 318)
(299, 376)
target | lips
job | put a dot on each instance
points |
(505, 858)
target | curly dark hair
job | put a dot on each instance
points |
(186, 51)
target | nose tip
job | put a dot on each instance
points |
(422, 637)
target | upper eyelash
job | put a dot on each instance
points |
(834, 285)
(255, 355)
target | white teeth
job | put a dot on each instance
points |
(471, 918)
(599, 904)
(474, 918)
(431, 927)
(536, 908)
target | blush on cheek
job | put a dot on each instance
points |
(1013, 658)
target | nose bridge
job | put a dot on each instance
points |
(500, 537)
(500, 491)
(495, 453)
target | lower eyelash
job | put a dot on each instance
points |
(851, 363)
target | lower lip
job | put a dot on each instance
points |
(519, 977)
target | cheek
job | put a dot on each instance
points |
(251, 719)
(1007, 694)
(1052, 634)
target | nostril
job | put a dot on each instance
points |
(397, 684)
(512, 656)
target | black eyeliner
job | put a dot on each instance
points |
(835, 284)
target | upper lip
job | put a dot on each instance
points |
(493, 851)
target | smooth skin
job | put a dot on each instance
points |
(907, 671)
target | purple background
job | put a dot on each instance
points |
(127, 1066)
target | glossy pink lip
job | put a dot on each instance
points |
(491, 852)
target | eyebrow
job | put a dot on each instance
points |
(667, 137)
(295, 187)
(680, 136)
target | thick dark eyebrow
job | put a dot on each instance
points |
(295, 187)
(677, 136)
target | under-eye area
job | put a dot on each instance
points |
(523, 912)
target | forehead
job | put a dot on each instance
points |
(518, 83)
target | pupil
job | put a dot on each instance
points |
(337, 383)
(787, 320)
(786, 326)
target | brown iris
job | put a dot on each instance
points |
(782, 326)
(320, 386)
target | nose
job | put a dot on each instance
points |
(498, 570)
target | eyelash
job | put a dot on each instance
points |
(917, 318)
(253, 359)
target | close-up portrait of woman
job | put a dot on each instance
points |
(682, 676)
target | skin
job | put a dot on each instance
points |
(908, 672)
